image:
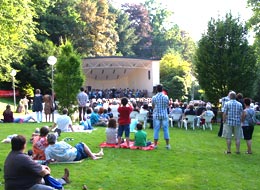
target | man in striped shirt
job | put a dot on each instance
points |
(232, 115)
(160, 103)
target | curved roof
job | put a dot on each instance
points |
(113, 67)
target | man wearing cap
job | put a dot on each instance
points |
(64, 152)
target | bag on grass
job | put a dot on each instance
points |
(49, 180)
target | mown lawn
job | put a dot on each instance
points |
(196, 161)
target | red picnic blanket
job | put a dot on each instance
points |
(124, 145)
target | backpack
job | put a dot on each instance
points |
(252, 119)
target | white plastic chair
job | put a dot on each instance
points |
(133, 114)
(207, 123)
(142, 118)
(176, 117)
(189, 119)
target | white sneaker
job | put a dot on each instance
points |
(168, 147)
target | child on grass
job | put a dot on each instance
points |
(124, 110)
(140, 136)
(111, 132)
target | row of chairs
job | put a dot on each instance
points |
(190, 120)
(181, 122)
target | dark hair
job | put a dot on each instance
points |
(112, 123)
(81, 89)
(139, 126)
(18, 142)
(44, 131)
(159, 88)
(124, 101)
(89, 111)
(247, 101)
(145, 106)
(65, 111)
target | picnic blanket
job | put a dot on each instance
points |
(124, 145)
(71, 162)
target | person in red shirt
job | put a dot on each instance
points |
(124, 110)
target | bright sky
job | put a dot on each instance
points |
(193, 15)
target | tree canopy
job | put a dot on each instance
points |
(224, 60)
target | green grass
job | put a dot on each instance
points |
(196, 161)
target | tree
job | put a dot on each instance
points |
(17, 31)
(126, 34)
(224, 61)
(140, 20)
(175, 75)
(58, 21)
(68, 76)
(34, 71)
(99, 28)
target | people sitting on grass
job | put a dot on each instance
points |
(21, 172)
(8, 115)
(96, 120)
(141, 137)
(24, 119)
(64, 152)
(63, 122)
(40, 143)
(111, 132)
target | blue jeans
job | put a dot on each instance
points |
(157, 123)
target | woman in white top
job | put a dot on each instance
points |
(111, 132)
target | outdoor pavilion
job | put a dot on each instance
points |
(121, 72)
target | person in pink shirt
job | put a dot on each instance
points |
(124, 110)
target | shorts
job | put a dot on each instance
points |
(248, 132)
(123, 128)
(81, 154)
(229, 130)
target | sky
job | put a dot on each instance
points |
(193, 15)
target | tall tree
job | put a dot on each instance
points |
(224, 61)
(175, 75)
(140, 20)
(17, 31)
(126, 33)
(68, 76)
(34, 70)
(59, 21)
(99, 29)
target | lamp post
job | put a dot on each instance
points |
(51, 61)
(13, 73)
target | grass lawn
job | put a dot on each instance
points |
(196, 161)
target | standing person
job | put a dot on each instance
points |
(22, 173)
(8, 115)
(48, 107)
(232, 116)
(82, 99)
(247, 128)
(37, 105)
(160, 104)
(25, 103)
(223, 101)
(124, 120)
